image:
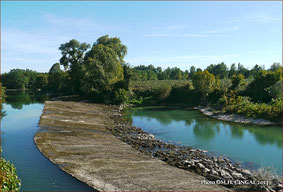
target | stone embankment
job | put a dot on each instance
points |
(233, 117)
(76, 137)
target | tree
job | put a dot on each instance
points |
(232, 70)
(192, 71)
(220, 70)
(103, 68)
(204, 83)
(72, 59)
(237, 81)
(15, 79)
(55, 78)
(41, 82)
(257, 89)
(275, 66)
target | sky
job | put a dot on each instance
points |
(166, 34)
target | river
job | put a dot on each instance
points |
(18, 127)
(251, 145)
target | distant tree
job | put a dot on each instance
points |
(55, 78)
(232, 70)
(199, 70)
(204, 83)
(243, 70)
(275, 66)
(15, 79)
(41, 82)
(192, 71)
(256, 69)
(220, 70)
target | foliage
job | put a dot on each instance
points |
(41, 82)
(275, 91)
(220, 70)
(257, 89)
(73, 53)
(120, 96)
(204, 83)
(237, 81)
(55, 78)
(8, 179)
(20, 79)
(244, 106)
(3, 99)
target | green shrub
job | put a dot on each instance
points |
(120, 96)
(244, 106)
(8, 179)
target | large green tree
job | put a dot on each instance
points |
(104, 68)
(73, 53)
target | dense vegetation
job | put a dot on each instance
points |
(99, 73)
(8, 179)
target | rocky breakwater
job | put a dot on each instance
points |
(216, 170)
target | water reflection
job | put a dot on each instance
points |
(17, 99)
(205, 127)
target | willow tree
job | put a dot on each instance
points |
(104, 67)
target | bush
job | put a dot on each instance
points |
(8, 179)
(244, 106)
(120, 96)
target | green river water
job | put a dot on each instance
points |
(251, 145)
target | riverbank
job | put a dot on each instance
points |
(233, 117)
(78, 137)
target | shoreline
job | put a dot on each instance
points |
(234, 117)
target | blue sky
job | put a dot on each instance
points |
(167, 34)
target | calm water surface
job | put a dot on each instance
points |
(252, 146)
(18, 127)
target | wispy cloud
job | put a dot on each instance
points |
(174, 35)
(38, 47)
(174, 31)
(257, 18)
(223, 30)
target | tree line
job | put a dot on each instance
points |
(99, 73)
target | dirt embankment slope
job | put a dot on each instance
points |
(74, 136)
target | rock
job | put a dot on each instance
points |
(246, 172)
(225, 174)
(201, 166)
(236, 175)
(213, 177)
(213, 172)
(206, 170)
(278, 186)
